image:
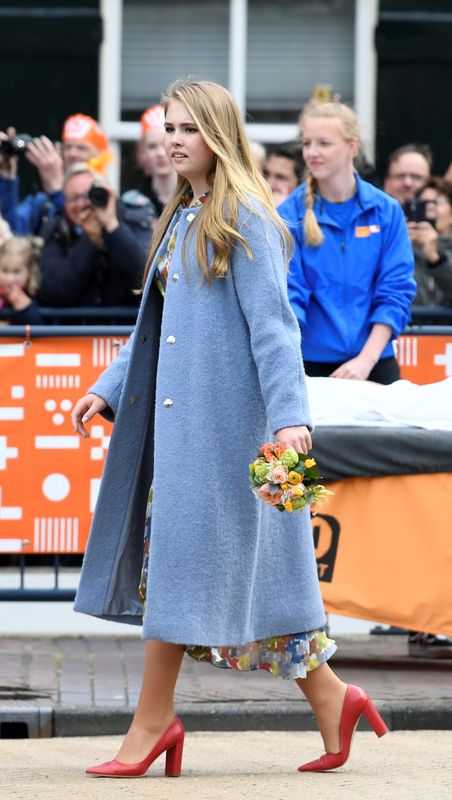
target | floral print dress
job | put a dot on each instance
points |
(290, 656)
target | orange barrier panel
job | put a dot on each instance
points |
(49, 476)
(384, 550)
(425, 359)
(383, 544)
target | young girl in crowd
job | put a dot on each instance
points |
(212, 371)
(19, 280)
(351, 275)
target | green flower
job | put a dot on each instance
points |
(298, 503)
(289, 459)
(261, 472)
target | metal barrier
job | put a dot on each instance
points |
(116, 315)
(82, 315)
(431, 315)
(49, 479)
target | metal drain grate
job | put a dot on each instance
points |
(26, 719)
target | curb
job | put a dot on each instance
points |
(255, 716)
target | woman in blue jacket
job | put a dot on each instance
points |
(213, 369)
(351, 274)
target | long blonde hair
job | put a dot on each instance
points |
(234, 179)
(27, 248)
(350, 130)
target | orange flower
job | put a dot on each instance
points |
(267, 451)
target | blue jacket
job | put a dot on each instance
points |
(27, 216)
(357, 277)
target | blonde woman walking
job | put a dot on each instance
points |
(211, 372)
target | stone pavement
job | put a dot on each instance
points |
(256, 765)
(79, 686)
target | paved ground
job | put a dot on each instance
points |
(78, 686)
(232, 766)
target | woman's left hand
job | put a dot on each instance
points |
(297, 437)
(357, 369)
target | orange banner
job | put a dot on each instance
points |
(425, 359)
(384, 550)
(383, 545)
(49, 476)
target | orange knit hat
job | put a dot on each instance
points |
(81, 128)
(152, 118)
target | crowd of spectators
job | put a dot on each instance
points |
(92, 243)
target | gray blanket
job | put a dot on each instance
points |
(343, 452)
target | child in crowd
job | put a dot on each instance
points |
(19, 280)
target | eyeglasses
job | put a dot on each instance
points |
(74, 198)
(401, 176)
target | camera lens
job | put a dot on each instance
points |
(98, 196)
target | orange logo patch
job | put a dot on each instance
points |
(363, 231)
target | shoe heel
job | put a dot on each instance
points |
(173, 766)
(375, 719)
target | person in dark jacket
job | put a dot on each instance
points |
(432, 244)
(19, 280)
(93, 255)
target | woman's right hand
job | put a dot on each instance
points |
(84, 410)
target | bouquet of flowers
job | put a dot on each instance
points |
(286, 479)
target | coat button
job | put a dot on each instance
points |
(143, 338)
(190, 217)
(133, 399)
(170, 339)
(168, 403)
(175, 277)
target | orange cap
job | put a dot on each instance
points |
(152, 118)
(81, 128)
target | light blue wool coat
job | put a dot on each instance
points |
(194, 393)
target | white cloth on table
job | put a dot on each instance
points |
(336, 401)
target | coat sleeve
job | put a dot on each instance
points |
(109, 385)
(261, 289)
(394, 287)
(298, 287)
(28, 316)
(65, 275)
(126, 257)
(442, 271)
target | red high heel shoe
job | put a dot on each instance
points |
(356, 703)
(172, 741)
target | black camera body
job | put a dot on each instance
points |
(415, 210)
(98, 196)
(15, 145)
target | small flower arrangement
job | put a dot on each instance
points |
(286, 479)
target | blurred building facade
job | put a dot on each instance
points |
(391, 59)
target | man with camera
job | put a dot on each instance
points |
(409, 180)
(429, 219)
(82, 140)
(95, 249)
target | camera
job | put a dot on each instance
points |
(16, 145)
(98, 196)
(415, 210)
